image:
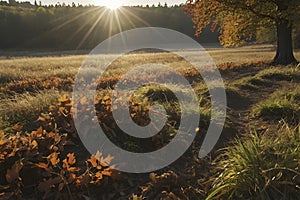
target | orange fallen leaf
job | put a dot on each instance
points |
(39, 132)
(99, 175)
(42, 165)
(53, 158)
(71, 158)
(52, 108)
(107, 172)
(65, 164)
(42, 119)
(106, 161)
(17, 127)
(34, 144)
(93, 161)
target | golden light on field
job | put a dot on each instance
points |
(112, 4)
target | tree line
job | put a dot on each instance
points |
(63, 27)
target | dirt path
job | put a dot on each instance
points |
(241, 102)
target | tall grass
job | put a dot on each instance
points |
(260, 167)
(25, 108)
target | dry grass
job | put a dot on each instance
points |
(25, 108)
(20, 68)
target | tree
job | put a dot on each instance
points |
(239, 20)
(12, 2)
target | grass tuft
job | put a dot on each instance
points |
(283, 104)
(26, 108)
(260, 167)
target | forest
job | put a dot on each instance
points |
(63, 27)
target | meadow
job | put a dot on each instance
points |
(257, 155)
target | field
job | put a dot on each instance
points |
(257, 155)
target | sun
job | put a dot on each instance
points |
(112, 4)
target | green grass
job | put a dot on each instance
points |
(285, 73)
(251, 83)
(268, 77)
(284, 104)
(260, 167)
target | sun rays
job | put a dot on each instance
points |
(112, 4)
(100, 21)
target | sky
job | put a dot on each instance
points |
(104, 2)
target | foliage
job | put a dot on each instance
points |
(239, 20)
(43, 159)
(36, 84)
(260, 166)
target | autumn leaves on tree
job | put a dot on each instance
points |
(238, 21)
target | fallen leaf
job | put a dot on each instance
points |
(107, 172)
(71, 158)
(52, 108)
(53, 158)
(39, 132)
(42, 119)
(99, 175)
(17, 127)
(65, 164)
(93, 161)
(34, 144)
(106, 161)
(136, 197)
(42, 165)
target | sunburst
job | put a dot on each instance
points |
(112, 4)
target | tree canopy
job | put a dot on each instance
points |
(238, 20)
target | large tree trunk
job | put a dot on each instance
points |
(284, 55)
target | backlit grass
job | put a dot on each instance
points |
(284, 104)
(260, 167)
(26, 108)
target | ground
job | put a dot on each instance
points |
(38, 136)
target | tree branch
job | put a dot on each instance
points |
(251, 9)
(243, 6)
